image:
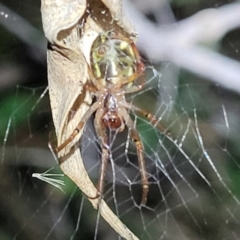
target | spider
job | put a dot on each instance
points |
(115, 69)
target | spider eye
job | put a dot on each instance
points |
(102, 50)
(123, 64)
(111, 34)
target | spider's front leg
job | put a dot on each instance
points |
(151, 118)
(79, 127)
(102, 135)
(141, 160)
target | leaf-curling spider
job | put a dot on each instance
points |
(115, 69)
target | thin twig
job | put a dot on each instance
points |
(180, 42)
(24, 31)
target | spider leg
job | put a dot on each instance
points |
(79, 127)
(101, 133)
(141, 161)
(152, 118)
(90, 87)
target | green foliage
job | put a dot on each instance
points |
(15, 110)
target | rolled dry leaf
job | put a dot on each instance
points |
(70, 27)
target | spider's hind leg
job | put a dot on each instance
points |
(102, 135)
(141, 160)
(151, 118)
(79, 127)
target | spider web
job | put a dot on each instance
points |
(193, 171)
